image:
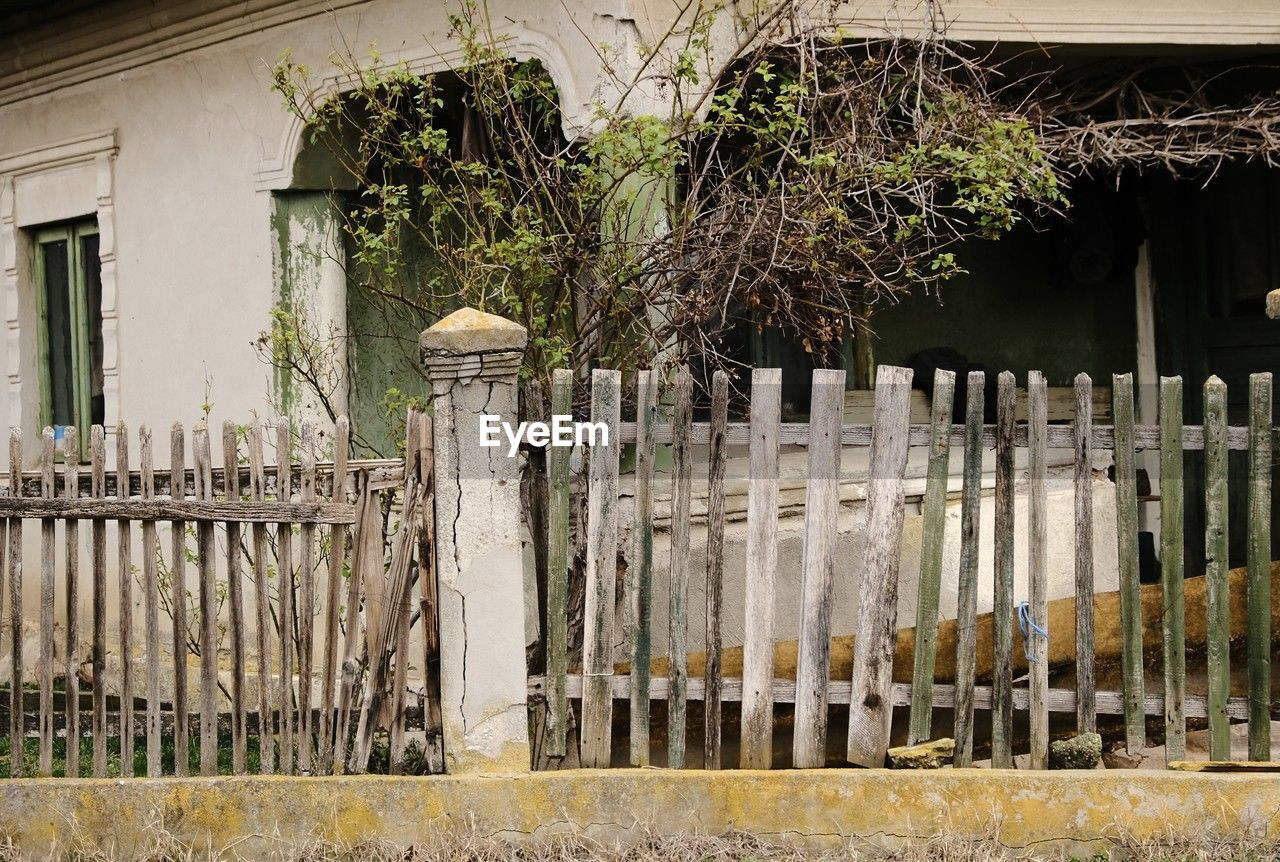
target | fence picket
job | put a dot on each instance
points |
(286, 587)
(262, 602)
(1171, 569)
(401, 609)
(97, 462)
(208, 592)
(306, 603)
(1002, 602)
(967, 588)
(1217, 607)
(1127, 561)
(715, 567)
(821, 509)
(677, 616)
(48, 535)
(333, 595)
(178, 605)
(762, 561)
(16, 723)
(933, 531)
(871, 707)
(1259, 566)
(151, 603)
(124, 548)
(558, 458)
(1086, 705)
(235, 599)
(71, 489)
(641, 584)
(1038, 593)
(602, 552)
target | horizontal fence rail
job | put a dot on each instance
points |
(238, 615)
(1020, 617)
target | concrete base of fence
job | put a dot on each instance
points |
(1077, 812)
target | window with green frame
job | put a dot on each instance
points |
(69, 299)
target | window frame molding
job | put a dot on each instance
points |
(95, 153)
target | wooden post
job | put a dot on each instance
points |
(151, 603)
(934, 529)
(333, 595)
(871, 701)
(286, 588)
(1086, 702)
(48, 535)
(677, 615)
(206, 564)
(1127, 548)
(1259, 563)
(235, 599)
(821, 510)
(558, 571)
(1171, 569)
(1037, 643)
(262, 602)
(762, 561)
(602, 568)
(1003, 622)
(98, 465)
(124, 542)
(1217, 585)
(178, 605)
(71, 488)
(306, 603)
(967, 598)
(715, 567)
(17, 725)
(641, 584)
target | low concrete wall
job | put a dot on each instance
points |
(1075, 812)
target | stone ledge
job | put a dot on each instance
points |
(1074, 812)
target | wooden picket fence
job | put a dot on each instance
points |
(870, 692)
(284, 567)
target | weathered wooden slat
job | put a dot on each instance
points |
(967, 587)
(286, 587)
(197, 511)
(412, 447)
(1217, 586)
(640, 585)
(1173, 630)
(15, 609)
(602, 554)
(762, 563)
(934, 533)
(98, 466)
(1127, 561)
(870, 712)
(1002, 601)
(71, 488)
(677, 614)
(124, 550)
(1086, 721)
(306, 604)
(366, 570)
(178, 606)
(428, 602)
(1037, 637)
(48, 535)
(206, 565)
(151, 604)
(235, 601)
(1058, 437)
(822, 501)
(262, 598)
(715, 567)
(333, 596)
(1259, 565)
(1059, 700)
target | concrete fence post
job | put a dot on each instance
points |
(472, 360)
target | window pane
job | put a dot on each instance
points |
(93, 300)
(57, 294)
